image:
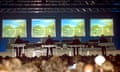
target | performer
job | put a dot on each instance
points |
(75, 41)
(103, 40)
(18, 41)
(49, 41)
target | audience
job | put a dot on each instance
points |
(58, 64)
(107, 66)
(13, 64)
(88, 68)
(3, 68)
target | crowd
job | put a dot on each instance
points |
(62, 63)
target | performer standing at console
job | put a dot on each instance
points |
(18, 41)
(103, 40)
(49, 41)
(76, 41)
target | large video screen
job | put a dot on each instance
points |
(43, 27)
(72, 27)
(101, 26)
(13, 27)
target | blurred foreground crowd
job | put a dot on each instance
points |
(62, 63)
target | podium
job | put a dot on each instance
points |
(49, 49)
(104, 46)
(76, 48)
(18, 48)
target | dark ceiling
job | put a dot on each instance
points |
(59, 6)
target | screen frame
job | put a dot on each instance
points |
(15, 19)
(101, 19)
(44, 19)
(73, 19)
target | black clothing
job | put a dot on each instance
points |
(76, 41)
(76, 49)
(103, 39)
(49, 41)
(18, 50)
(19, 40)
(103, 50)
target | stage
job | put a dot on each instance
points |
(38, 51)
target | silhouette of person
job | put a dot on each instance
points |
(49, 41)
(103, 40)
(18, 41)
(75, 41)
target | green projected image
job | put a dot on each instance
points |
(101, 26)
(43, 27)
(13, 27)
(72, 27)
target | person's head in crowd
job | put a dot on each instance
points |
(55, 64)
(30, 67)
(71, 70)
(43, 62)
(1, 58)
(3, 68)
(88, 68)
(66, 61)
(110, 56)
(107, 66)
(79, 66)
(76, 59)
(12, 64)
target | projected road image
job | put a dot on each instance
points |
(13, 28)
(101, 26)
(72, 27)
(43, 27)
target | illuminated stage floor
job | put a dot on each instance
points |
(60, 51)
